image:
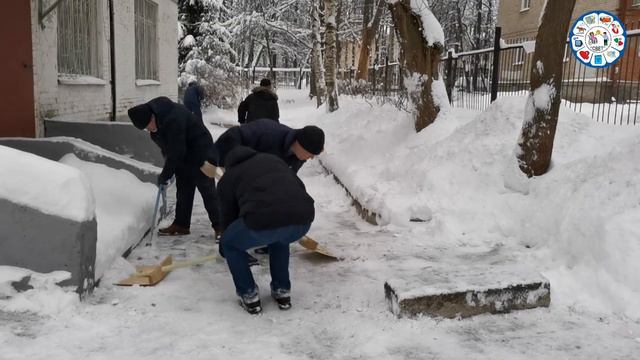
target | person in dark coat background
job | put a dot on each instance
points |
(262, 103)
(193, 96)
(185, 144)
(262, 203)
(294, 146)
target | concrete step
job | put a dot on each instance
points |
(467, 291)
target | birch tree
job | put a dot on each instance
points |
(317, 63)
(330, 56)
(535, 144)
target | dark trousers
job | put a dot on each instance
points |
(238, 238)
(187, 180)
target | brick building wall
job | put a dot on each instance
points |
(79, 100)
(520, 24)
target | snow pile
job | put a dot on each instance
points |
(30, 180)
(45, 297)
(582, 219)
(124, 207)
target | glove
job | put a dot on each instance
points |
(162, 182)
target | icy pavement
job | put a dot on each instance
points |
(339, 311)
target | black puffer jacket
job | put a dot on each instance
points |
(181, 136)
(262, 103)
(262, 190)
(262, 135)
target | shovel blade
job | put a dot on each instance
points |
(309, 243)
(147, 275)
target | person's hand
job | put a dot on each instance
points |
(162, 182)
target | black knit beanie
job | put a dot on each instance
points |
(265, 82)
(140, 115)
(311, 138)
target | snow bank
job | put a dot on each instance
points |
(45, 298)
(45, 185)
(581, 220)
(124, 207)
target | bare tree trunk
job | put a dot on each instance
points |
(543, 104)
(420, 62)
(330, 57)
(270, 56)
(368, 35)
(338, 45)
(317, 54)
(313, 91)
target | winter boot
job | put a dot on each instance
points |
(282, 298)
(251, 303)
(174, 230)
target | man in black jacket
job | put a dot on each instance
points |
(294, 146)
(185, 144)
(263, 203)
(262, 103)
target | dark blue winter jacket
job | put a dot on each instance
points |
(263, 135)
(181, 136)
(192, 98)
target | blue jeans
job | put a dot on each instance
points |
(238, 238)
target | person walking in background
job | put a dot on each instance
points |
(263, 203)
(185, 144)
(262, 103)
(193, 96)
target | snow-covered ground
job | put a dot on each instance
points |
(578, 225)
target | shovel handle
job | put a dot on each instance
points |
(183, 264)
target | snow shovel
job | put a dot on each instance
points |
(309, 243)
(155, 212)
(151, 275)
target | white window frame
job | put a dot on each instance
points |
(636, 3)
(525, 5)
(146, 42)
(78, 39)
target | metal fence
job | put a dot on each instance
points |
(475, 78)
(295, 78)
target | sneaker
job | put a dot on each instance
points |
(252, 260)
(282, 298)
(174, 230)
(251, 303)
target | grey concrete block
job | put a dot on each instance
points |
(467, 292)
(44, 243)
(120, 137)
(56, 148)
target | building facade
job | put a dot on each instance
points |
(84, 60)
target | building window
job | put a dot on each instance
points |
(525, 5)
(636, 2)
(146, 14)
(78, 37)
